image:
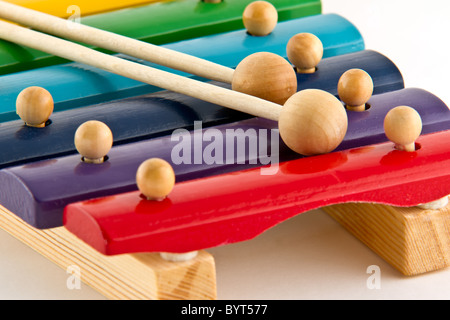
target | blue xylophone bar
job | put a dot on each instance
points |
(74, 85)
(160, 113)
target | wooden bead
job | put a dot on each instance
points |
(355, 87)
(155, 178)
(403, 125)
(313, 122)
(304, 51)
(34, 105)
(260, 18)
(93, 140)
(267, 76)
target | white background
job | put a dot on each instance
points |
(309, 256)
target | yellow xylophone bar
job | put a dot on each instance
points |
(67, 8)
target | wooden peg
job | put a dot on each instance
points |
(403, 126)
(305, 51)
(326, 139)
(155, 179)
(355, 87)
(260, 18)
(313, 122)
(267, 76)
(34, 105)
(93, 140)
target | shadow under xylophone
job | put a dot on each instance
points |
(178, 224)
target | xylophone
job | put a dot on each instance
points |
(74, 85)
(157, 23)
(215, 227)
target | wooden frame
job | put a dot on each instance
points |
(123, 277)
(413, 240)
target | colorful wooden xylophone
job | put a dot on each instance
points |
(100, 210)
(158, 23)
(74, 85)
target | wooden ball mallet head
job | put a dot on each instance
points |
(34, 105)
(305, 51)
(260, 18)
(267, 76)
(270, 77)
(313, 122)
(329, 127)
(355, 88)
(93, 140)
(156, 54)
(403, 125)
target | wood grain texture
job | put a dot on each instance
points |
(34, 106)
(304, 51)
(126, 277)
(403, 126)
(355, 88)
(313, 122)
(260, 18)
(93, 140)
(265, 75)
(412, 240)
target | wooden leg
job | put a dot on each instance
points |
(412, 240)
(123, 277)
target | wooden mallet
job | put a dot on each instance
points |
(311, 121)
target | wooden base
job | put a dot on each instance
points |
(412, 240)
(123, 277)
